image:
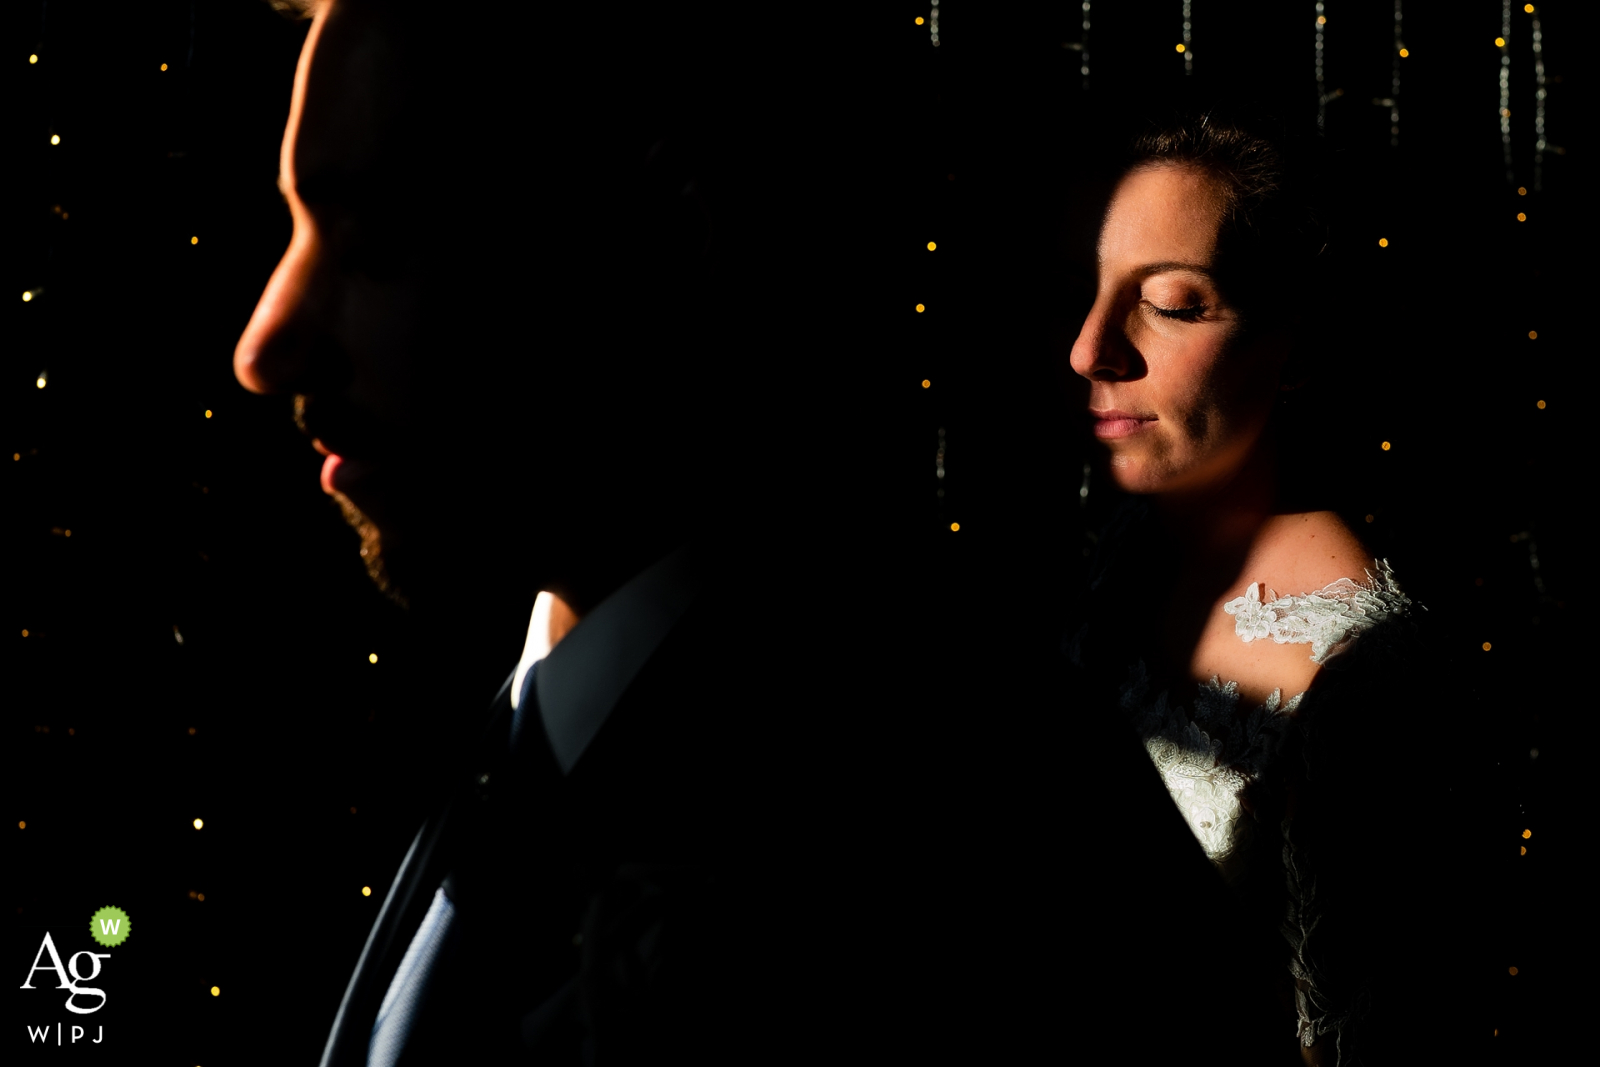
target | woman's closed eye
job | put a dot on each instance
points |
(1183, 314)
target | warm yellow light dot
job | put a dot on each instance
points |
(955, 526)
(1522, 217)
(1533, 335)
(366, 890)
(194, 240)
(1527, 834)
(931, 246)
(191, 731)
(33, 58)
(16, 455)
(921, 308)
(216, 992)
(1513, 970)
(919, 20)
(1180, 48)
(1369, 518)
(27, 296)
(1386, 446)
(22, 825)
(1528, 8)
(1540, 405)
(55, 138)
(372, 657)
(208, 413)
(1522, 190)
(163, 66)
(1499, 42)
(1522, 850)
(926, 383)
(199, 823)
(1487, 646)
(66, 533)
(200, 896)
(1322, 20)
(24, 633)
(1383, 242)
(1404, 52)
(40, 381)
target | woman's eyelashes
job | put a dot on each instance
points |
(1184, 314)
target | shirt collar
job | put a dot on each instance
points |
(579, 682)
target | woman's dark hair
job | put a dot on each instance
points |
(1275, 209)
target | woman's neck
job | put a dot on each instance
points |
(1216, 525)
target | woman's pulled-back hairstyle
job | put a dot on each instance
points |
(1274, 228)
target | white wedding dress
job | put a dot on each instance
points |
(1213, 754)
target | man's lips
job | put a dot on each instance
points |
(1113, 423)
(341, 474)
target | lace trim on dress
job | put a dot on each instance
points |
(1211, 757)
(1323, 619)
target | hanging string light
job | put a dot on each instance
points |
(1538, 104)
(1083, 48)
(1187, 47)
(1322, 86)
(1505, 85)
(933, 24)
(1394, 80)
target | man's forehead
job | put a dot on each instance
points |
(351, 110)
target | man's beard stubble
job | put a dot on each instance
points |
(372, 550)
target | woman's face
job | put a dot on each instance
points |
(1177, 392)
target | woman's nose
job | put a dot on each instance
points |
(1102, 352)
(274, 352)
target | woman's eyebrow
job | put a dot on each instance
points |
(1171, 266)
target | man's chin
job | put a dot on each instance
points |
(378, 549)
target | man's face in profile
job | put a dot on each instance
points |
(431, 305)
(345, 320)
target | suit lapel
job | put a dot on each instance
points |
(427, 861)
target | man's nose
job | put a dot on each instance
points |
(274, 354)
(1102, 351)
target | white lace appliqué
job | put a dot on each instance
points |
(1323, 619)
(1209, 758)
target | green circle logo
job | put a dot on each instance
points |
(110, 926)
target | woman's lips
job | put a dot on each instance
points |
(1112, 424)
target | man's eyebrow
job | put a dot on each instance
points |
(296, 10)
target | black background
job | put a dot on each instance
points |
(269, 722)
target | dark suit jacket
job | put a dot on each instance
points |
(663, 898)
(834, 817)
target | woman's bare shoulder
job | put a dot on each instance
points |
(1293, 555)
(1306, 551)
